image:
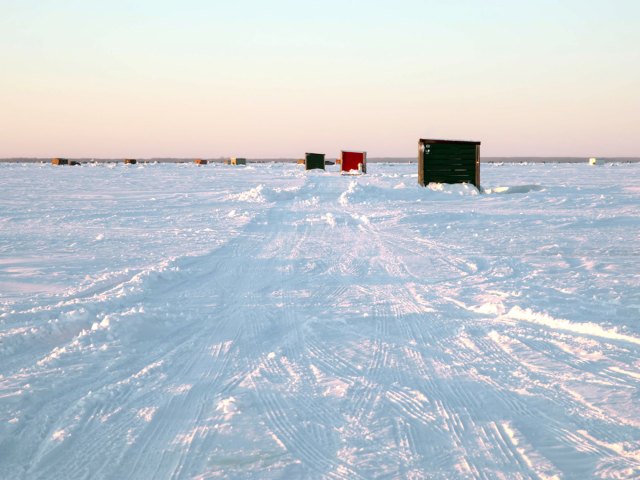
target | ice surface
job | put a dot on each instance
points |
(170, 321)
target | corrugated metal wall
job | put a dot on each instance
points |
(448, 162)
(314, 160)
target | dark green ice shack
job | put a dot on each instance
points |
(314, 160)
(448, 161)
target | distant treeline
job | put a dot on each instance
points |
(371, 160)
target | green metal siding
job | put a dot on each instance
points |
(314, 160)
(448, 162)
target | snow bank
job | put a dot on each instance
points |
(589, 328)
(359, 191)
(253, 195)
(514, 189)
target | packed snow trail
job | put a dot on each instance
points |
(267, 322)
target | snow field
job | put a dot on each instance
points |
(170, 321)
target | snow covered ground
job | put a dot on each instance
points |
(175, 321)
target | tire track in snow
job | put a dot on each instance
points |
(271, 376)
(563, 397)
(460, 438)
(203, 272)
(230, 294)
(121, 394)
(417, 340)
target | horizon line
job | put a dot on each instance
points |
(487, 159)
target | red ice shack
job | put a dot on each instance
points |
(352, 161)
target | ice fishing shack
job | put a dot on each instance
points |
(314, 160)
(353, 161)
(235, 161)
(448, 161)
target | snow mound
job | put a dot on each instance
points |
(588, 328)
(360, 192)
(462, 189)
(254, 195)
(263, 194)
(514, 189)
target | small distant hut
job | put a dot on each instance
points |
(59, 161)
(200, 161)
(448, 161)
(238, 161)
(73, 162)
(353, 161)
(593, 161)
(130, 161)
(301, 161)
(314, 160)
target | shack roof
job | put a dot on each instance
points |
(466, 142)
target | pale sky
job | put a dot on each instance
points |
(196, 78)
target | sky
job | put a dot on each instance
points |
(269, 79)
